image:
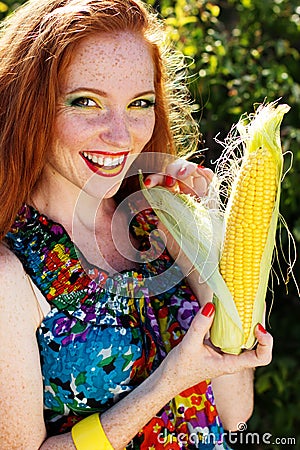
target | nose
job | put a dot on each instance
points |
(117, 131)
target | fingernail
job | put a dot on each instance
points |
(169, 181)
(261, 328)
(200, 166)
(208, 309)
(181, 171)
(147, 182)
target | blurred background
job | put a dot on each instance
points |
(242, 53)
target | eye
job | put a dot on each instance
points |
(84, 102)
(142, 103)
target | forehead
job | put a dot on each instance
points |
(111, 58)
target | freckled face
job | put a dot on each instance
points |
(106, 112)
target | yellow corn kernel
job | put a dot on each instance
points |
(249, 241)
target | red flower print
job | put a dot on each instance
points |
(196, 400)
(210, 411)
(43, 220)
(190, 412)
(154, 437)
(199, 389)
(163, 312)
(183, 428)
(172, 446)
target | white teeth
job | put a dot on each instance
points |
(105, 161)
(109, 162)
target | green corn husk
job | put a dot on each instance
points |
(199, 232)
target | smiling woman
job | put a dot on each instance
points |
(100, 126)
(102, 322)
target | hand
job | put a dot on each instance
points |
(183, 176)
(193, 360)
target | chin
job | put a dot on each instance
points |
(112, 192)
(101, 188)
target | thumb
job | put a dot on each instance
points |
(203, 319)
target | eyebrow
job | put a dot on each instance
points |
(105, 94)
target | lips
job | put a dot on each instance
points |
(105, 164)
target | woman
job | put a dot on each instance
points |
(95, 318)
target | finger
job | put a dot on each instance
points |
(181, 169)
(264, 346)
(188, 169)
(156, 179)
(195, 180)
(200, 186)
(203, 320)
(190, 178)
(160, 179)
(211, 191)
(260, 356)
(206, 173)
(194, 185)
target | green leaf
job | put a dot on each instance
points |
(80, 379)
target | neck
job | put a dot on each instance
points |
(65, 203)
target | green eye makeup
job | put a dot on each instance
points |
(81, 101)
(143, 103)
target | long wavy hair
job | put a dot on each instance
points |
(36, 46)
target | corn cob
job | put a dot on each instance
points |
(248, 221)
(236, 268)
(251, 219)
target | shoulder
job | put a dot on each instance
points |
(10, 265)
(16, 294)
(11, 269)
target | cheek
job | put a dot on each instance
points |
(72, 129)
(62, 132)
(144, 128)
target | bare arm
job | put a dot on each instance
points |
(234, 398)
(21, 390)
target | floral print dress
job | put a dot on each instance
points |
(105, 334)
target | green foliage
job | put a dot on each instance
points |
(7, 6)
(240, 61)
(241, 53)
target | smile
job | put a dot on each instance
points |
(105, 164)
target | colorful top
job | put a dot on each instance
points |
(105, 334)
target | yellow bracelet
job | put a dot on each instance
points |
(88, 434)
